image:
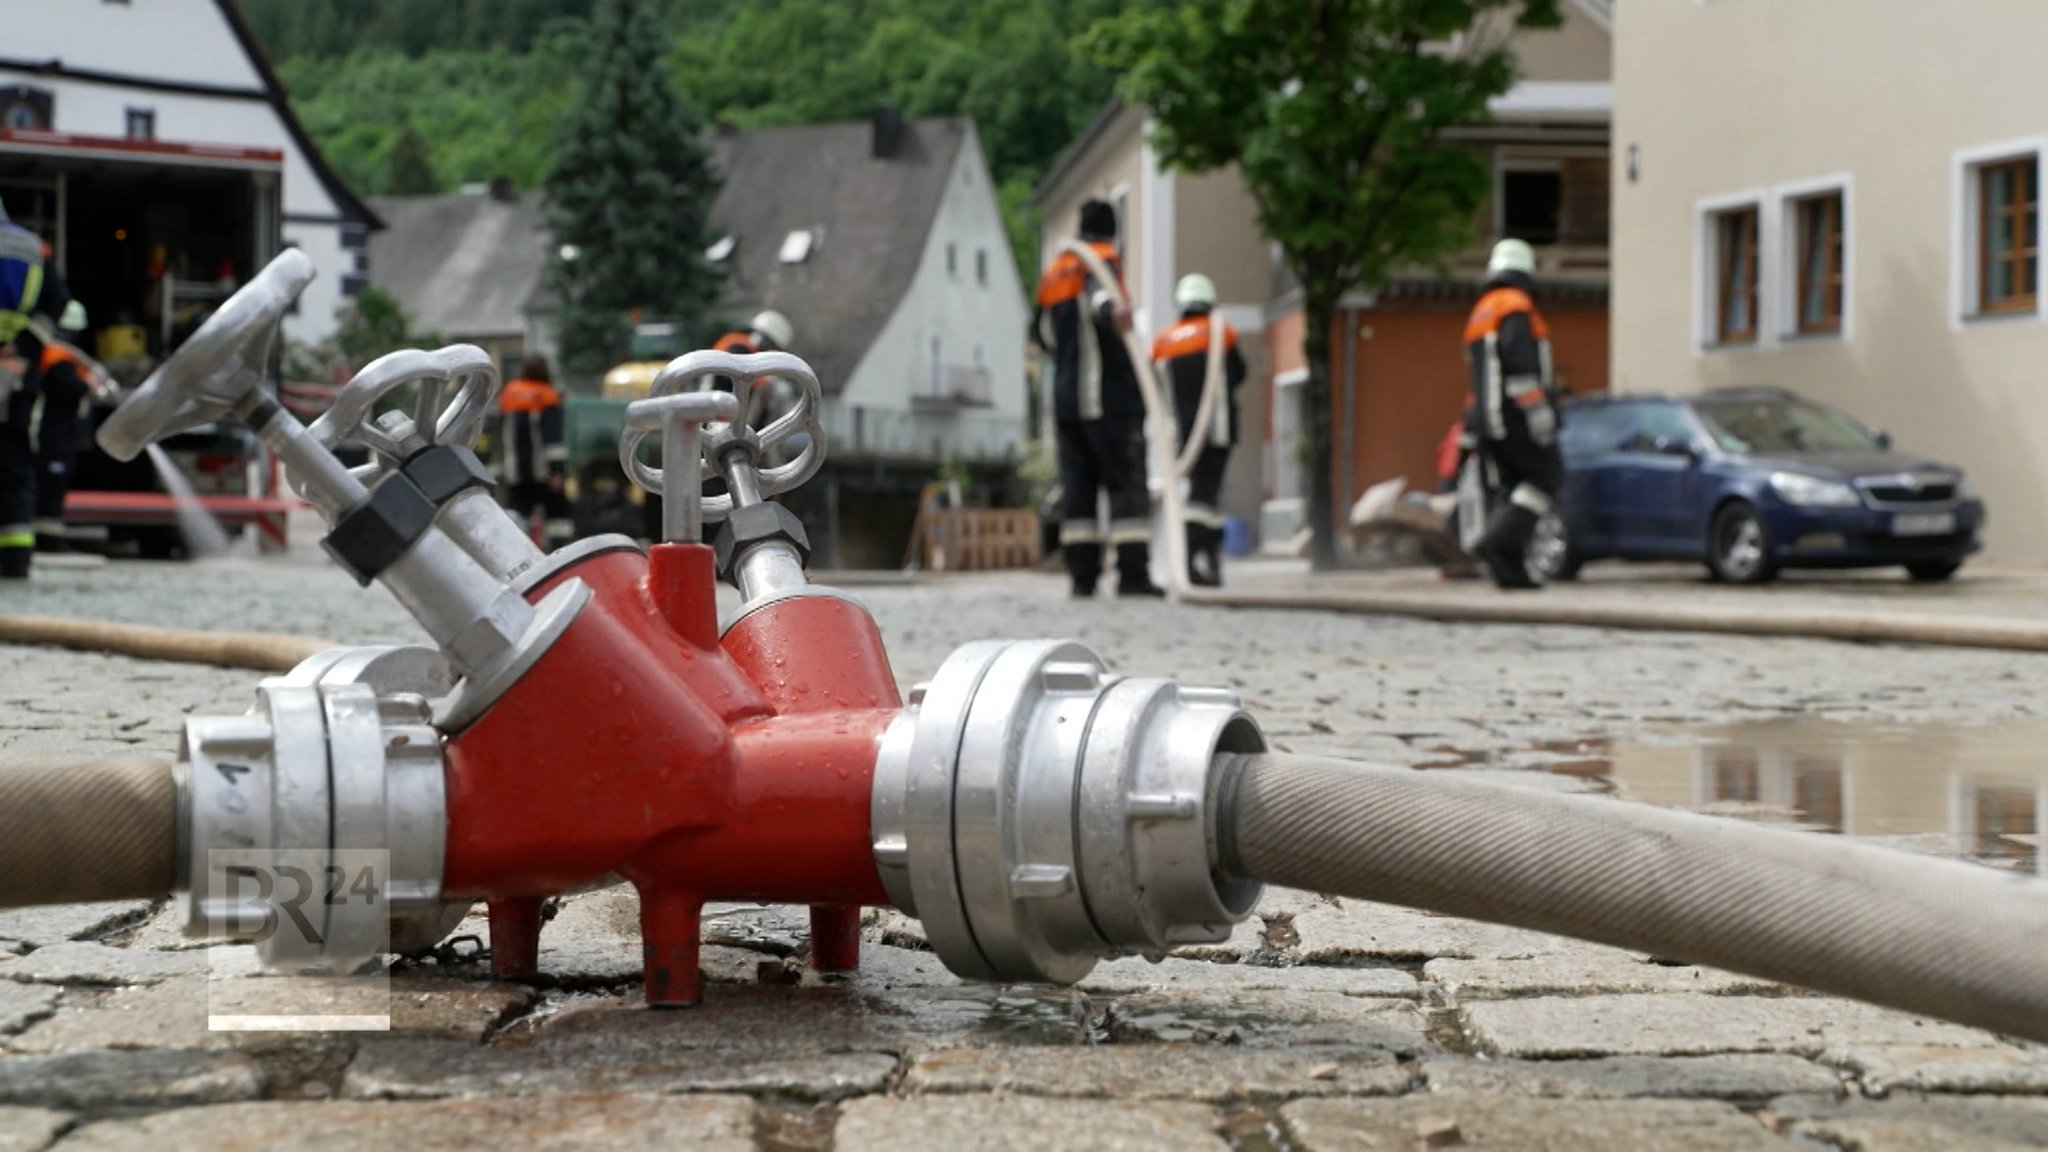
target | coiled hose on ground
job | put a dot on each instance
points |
(1934, 937)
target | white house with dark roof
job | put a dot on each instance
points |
(881, 241)
(174, 100)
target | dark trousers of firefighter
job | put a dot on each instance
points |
(1104, 456)
(1204, 516)
(18, 388)
(535, 500)
(59, 436)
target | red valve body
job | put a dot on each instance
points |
(639, 745)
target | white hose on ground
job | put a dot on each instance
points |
(1934, 937)
(1169, 458)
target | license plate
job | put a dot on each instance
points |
(1923, 524)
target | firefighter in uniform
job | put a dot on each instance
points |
(1099, 413)
(27, 288)
(66, 379)
(533, 460)
(768, 331)
(1182, 356)
(1512, 420)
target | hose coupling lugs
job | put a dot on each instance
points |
(332, 783)
(1039, 812)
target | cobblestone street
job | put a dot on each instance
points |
(1320, 1025)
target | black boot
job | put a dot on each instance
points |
(1084, 568)
(1504, 547)
(1205, 565)
(14, 563)
(1134, 571)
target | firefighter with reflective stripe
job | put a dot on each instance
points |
(66, 379)
(1513, 416)
(28, 288)
(533, 460)
(1098, 412)
(1181, 354)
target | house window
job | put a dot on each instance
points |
(1532, 202)
(1819, 238)
(2008, 234)
(938, 367)
(981, 267)
(1735, 275)
(952, 260)
(23, 107)
(142, 123)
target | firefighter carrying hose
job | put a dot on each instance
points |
(1182, 356)
(533, 459)
(1099, 411)
(1513, 418)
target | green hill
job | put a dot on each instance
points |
(481, 82)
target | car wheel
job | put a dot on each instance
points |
(1550, 551)
(1737, 552)
(1929, 571)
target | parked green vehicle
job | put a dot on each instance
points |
(601, 497)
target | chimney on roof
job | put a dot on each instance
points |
(502, 190)
(724, 127)
(887, 122)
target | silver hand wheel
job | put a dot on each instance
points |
(217, 368)
(677, 419)
(457, 386)
(730, 448)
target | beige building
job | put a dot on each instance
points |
(1399, 379)
(1842, 197)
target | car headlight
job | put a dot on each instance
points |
(1813, 492)
(1965, 489)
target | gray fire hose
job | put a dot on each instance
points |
(76, 830)
(1938, 938)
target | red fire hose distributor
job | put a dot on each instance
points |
(588, 717)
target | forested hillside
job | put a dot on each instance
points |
(481, 83)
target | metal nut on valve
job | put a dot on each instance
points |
(1039, 813)
(755, 524)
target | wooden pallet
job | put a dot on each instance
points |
(978, 539)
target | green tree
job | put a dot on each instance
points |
(629, 194)
(409, 171)
(1335, 112)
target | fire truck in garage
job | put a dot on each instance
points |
(151, 236)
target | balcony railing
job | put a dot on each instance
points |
(925, 433)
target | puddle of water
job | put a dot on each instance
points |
(204, 536)
(1976, 793)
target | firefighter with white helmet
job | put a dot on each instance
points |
(1512, 421)
(1181, 356)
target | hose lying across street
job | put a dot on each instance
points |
(77, 830)
(1934, 937)
(259, 651)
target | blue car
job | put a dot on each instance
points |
(1750, 481)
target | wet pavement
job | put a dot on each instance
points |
(1320, 1025)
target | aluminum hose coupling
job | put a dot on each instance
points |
(1038, 812)
(317, 822)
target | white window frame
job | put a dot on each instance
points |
(1785, 318)
(1963, 224)
(1705, 270)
